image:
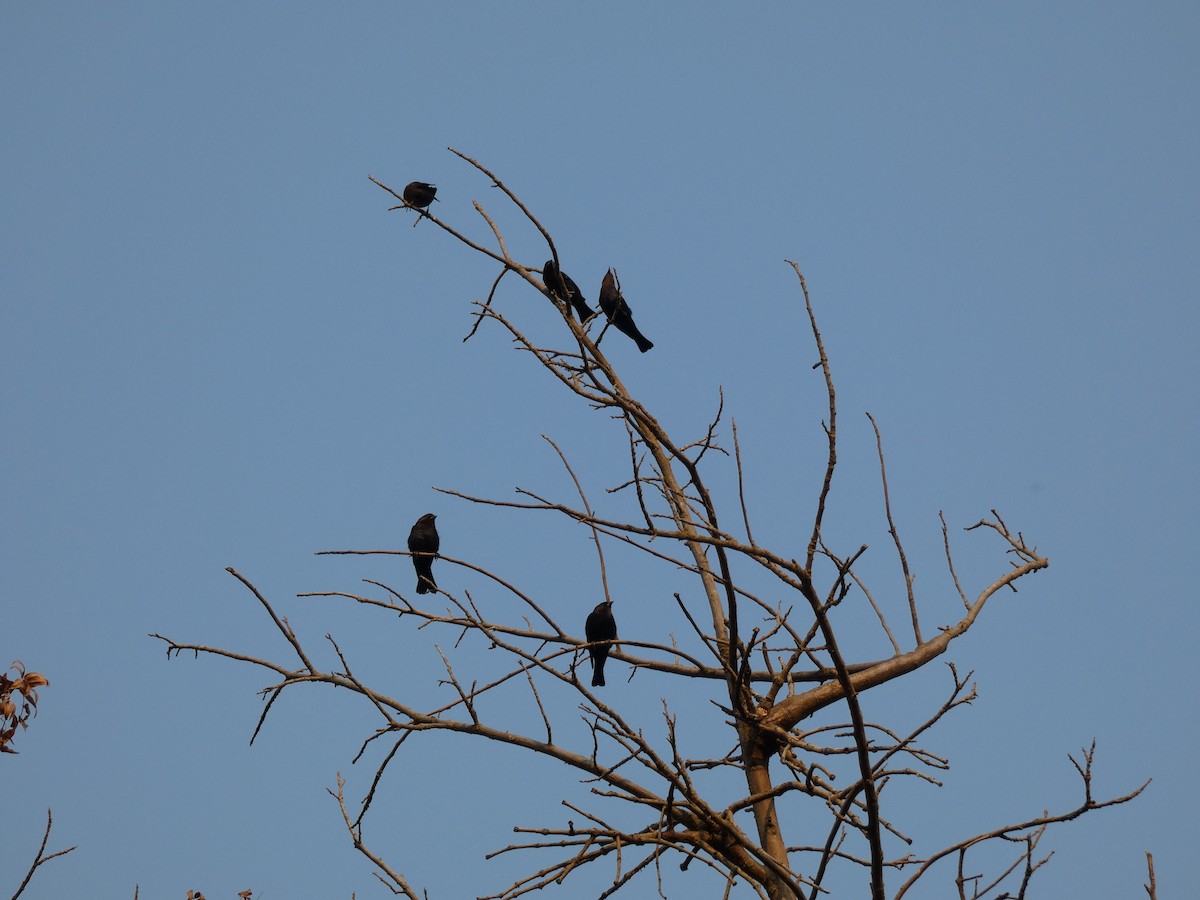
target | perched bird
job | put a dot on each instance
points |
(612, 301)
(424, 539)
(600, 626)
(562, 287)
(419, 194)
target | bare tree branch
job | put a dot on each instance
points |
(41, 858)
(887, 505)
(1005, 831)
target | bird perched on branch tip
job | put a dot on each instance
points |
(424, 539)
(612, 301)
(600, 626)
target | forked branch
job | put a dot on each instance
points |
(42, 857)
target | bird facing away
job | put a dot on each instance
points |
(600, 626)
(419, 194)
(612, 301)
(562, 287)
(424, 539)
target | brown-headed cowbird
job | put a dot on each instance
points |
(600, 626)
(561, 286)
(424, 539)
(419, 194)
(612, 301)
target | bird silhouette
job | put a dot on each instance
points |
(419, 194)
(612, 301)
(600, 626)
(424, 539)
(561, 286)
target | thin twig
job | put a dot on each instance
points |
(887, 505)
(41, 859)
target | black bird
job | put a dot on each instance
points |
(600, 626)
(424, 539)
(612, 301)
(562, 287)
(419, 194)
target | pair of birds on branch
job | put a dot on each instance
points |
(612, 301)
(599, 627)
(419, 195)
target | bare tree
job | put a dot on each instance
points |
(771, 665)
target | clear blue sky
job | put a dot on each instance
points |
(219, 349)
